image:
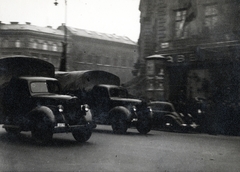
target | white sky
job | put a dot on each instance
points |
(121, 17)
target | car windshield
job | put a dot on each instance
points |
(118, 92)
(44, 87)
(162, 107)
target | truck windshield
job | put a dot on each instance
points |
(45, 87)
(116, 92)
(39, 87)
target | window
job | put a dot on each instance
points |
(33, 45)
(54, 47)
(181, 30)
(5, 43)
(17, 43)
(45, 46)
(211, 16)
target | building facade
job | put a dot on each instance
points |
(26, 39)
(189, 50)
(101, 51)
(86, 50)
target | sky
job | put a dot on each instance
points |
(120, 17)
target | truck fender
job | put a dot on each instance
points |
(88, 116)
(145, 113)
(120, 110)
(41, 113)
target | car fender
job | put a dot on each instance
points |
(177, 120)
(120, 110)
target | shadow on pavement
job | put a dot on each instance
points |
(25, 139)
(105, 131)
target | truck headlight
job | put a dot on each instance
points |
(85, 108)
(60, 108)
(149, 108)
(134, 108)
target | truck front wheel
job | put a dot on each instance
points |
(82, 134)
(119, 125)
(144, 126)
(42, 133)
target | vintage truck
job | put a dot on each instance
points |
(110, 103)
(30, 100)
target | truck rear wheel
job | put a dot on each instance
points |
(82, 134)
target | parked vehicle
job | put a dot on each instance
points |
(166, 117)
(30, 101)
(109, 102)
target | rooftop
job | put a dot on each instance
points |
(74, 31)
(28, 26)
(102, 36)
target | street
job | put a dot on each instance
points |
(105, 151)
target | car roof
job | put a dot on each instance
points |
(108, 86)
(159, 102)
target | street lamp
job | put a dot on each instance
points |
(63, 62)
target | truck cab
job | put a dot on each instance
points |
(31, 102)
(109, 102)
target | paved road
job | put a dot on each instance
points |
(157, 151)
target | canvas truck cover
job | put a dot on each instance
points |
(85, 80)
(19, 65)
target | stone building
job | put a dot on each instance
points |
(189, 50)
(30, 40)
(101, 51)
(86, 50)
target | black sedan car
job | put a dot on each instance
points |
(165, 117)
